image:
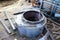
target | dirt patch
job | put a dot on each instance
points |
(54, 29)
(4, 3)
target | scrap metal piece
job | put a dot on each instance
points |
(5, 27)
(49, 33)
(11, 23)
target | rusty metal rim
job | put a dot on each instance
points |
(34, 21)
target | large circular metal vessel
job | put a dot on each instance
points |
(30, 23)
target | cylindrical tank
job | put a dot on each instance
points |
(30, 23)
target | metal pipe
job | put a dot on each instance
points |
(41, 3)
(51, 4)
(49, 33)
(6, 28)
(13, 27)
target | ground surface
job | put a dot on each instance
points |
(17, 7)
(54, 29)
(7, 2)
